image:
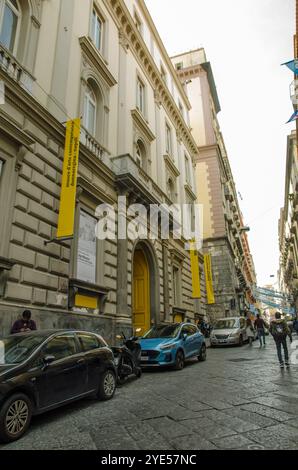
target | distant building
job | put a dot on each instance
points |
(288, 225)
(224, 237)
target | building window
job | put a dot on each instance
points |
(163, 74)
(176, 285)
(97, 30)
(141, 96)
(171, 190)
(179, 66)
(168, 140)
(89, 120)
(9, 24)
(141, 156)
(187, 170)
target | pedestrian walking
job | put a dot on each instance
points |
(280, 330)
(25, 324)
(260, 326)
(250, 331)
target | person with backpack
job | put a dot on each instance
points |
(280, 330)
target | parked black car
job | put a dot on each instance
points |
(43, 370)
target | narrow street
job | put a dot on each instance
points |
(237, 399)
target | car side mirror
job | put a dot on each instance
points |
(47, 360)
(184, 336)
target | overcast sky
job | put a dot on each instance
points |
(245, 41)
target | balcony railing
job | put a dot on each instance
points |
(133, 176)
(94, 146)
(15, 70)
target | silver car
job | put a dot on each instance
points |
(228, 331)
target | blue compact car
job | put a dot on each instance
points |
(171, 345)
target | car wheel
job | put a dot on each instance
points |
(203, 353)
(139, 373)
(179, 361)
(15, 417)
(241, 340)
(107, 385)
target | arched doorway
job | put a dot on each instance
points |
(141, 292)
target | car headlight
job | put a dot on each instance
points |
(234, 335)
(167, 347)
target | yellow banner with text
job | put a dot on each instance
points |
(195, 272)
(209, 281)
(69, 179)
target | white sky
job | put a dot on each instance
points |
(245, 41)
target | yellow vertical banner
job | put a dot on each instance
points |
(69, 179)
(208, 277)
(195, 272)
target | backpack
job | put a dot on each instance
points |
(279, 330)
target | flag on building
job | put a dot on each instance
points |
(293, 117)
(292, 65)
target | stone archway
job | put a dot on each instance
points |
(145, 286)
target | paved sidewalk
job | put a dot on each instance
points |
(238, 399)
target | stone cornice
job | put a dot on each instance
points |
(142, 124)
(141, 52)
(42, 118)
(6, 264)
(97, 60)
(94, 192)
(190, 192)
(171, 165)
(12, 130)
(164, 52)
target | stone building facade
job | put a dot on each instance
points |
(102, 61)
(222, 220)
(288, 226)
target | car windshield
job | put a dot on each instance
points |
(227, 324)
(16, 349)
(162, 331)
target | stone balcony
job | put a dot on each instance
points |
(15, 70)
(131, 177)
(98, 150)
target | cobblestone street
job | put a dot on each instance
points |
(238, 399)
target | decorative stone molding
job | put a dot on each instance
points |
(177, 255)
(171, 167)
(9, 128)
(140, 50)
(141, 123)
(20, 157)
(190, 192)
(95, 58)
(123, 40)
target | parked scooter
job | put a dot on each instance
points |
(127, 357)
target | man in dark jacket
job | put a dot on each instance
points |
(260, 327)
(280, 330)
(25, 324)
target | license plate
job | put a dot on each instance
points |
(145, 358)
(222, 340)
